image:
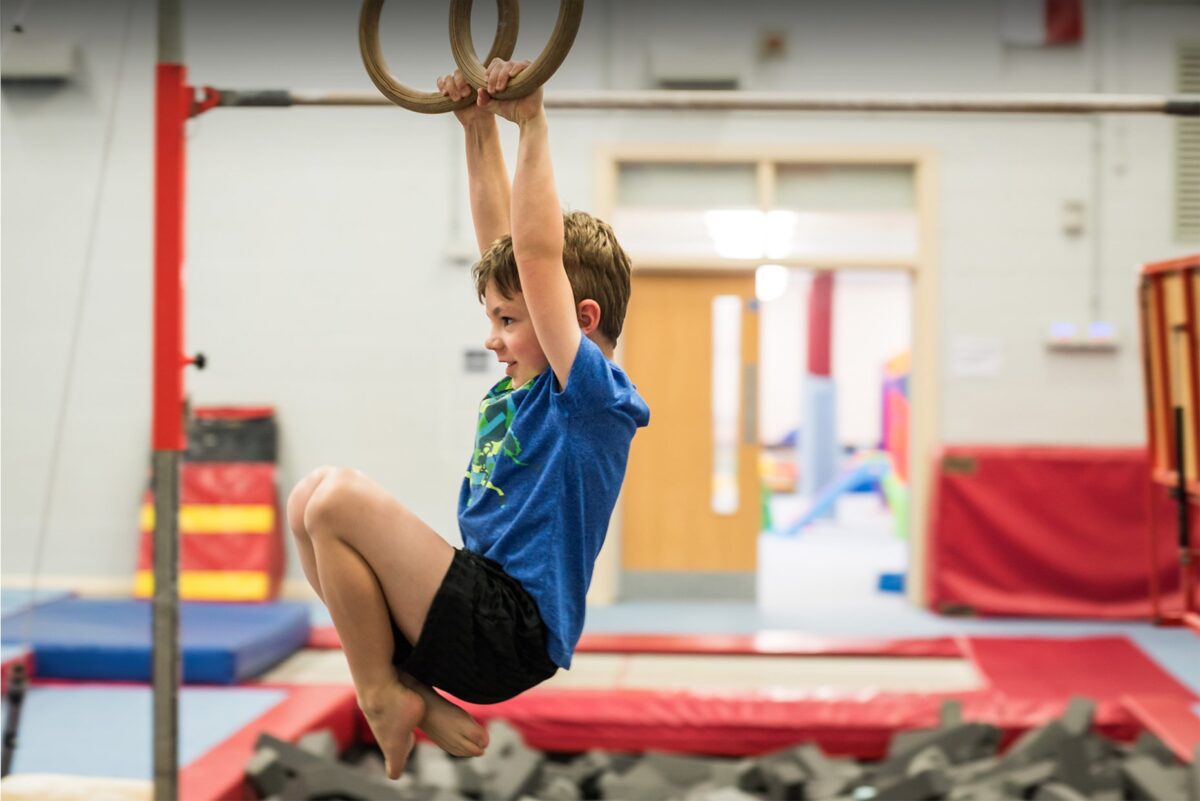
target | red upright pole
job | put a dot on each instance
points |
(172, 108)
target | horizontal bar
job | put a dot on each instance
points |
(710, 100)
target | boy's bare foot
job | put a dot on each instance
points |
(393, 713)
(452, 728)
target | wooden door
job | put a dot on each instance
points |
(669, 523)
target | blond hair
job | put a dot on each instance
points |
(596, 266)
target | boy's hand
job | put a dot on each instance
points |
(455, 87)
(521, 110)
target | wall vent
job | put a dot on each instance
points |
(1187, 148)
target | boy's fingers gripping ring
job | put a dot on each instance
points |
(429, 102)
(570, 12)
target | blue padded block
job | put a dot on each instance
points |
(109, 640)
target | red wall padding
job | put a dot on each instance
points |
(1048, 532)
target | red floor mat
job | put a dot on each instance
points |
(1102, 668)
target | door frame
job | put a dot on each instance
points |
(923, 271)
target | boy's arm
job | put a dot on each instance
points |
(487, 176)
(538, 249)
(537, 228)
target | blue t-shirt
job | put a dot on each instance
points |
(541, 486)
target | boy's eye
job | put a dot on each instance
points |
(506, 320)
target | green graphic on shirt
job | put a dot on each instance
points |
(494, 438)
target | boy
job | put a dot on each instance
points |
(501, 615)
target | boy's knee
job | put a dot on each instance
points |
(298, 499)
(334, 491)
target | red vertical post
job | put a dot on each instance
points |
(820, 324)
(173, 105)
(172, 108)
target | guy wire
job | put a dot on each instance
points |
(77, 325)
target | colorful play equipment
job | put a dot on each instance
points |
(865, 471)
(1169, 304)
(896, 429)
(884, 470)
(894, 404)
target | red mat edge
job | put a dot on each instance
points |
(219, 774)
(857, 724)
(765, 643)
(1173, 723)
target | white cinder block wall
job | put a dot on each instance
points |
(317, 270)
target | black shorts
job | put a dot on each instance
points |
(483, 641)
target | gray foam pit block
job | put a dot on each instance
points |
(929, 784)
(749, 777)
(1024, 779)
(307, 770)
(581, 770)
(433, 768)
(1057, 791)
(513, 775)
(964, 742)
(1035, 745)
(472, 775)
(719, 794)
(266, 772)
(320, 743)
(931, 757)
(1073, 768)
(642, 782)
(969, 772)
(502, 737)
(1149, 744)
(372, 764)
(1147, 779)
(557, 788)
(951, 713)
(1194, 775)
(679, 769)
(339, 781)
(827, 777)
(785, 780)
(1077, 718)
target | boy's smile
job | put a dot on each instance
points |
(512, 337)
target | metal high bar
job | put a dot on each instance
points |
(718, 100)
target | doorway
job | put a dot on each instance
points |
(729, 209)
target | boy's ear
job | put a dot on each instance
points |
(588, 312)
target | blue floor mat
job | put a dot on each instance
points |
(107, 731)
(109, 640)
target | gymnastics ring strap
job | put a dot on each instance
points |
(411, 99)
(570, 12)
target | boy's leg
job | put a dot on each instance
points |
(373, 558)
(297, 500)
(445, 723)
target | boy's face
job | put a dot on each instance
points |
(512, 338)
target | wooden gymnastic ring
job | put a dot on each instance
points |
(570, 12)
(411, 99)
